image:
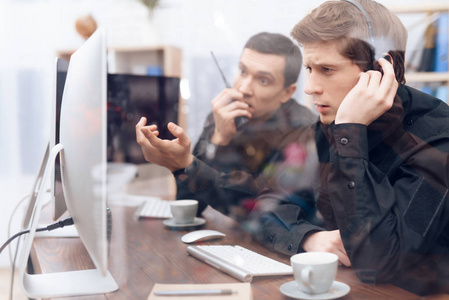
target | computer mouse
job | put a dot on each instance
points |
(201, 235)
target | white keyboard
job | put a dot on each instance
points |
(154, 209)
(239, 262)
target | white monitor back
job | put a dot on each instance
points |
(82, 149)
(83, 136)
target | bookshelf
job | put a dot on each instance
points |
(136, 60)
(413, 77)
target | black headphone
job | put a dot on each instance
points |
(378, 47)
(368, 20)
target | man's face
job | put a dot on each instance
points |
(331, 77)
(261, 81)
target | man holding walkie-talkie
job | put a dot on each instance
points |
(242, 151)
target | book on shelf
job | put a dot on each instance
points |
(441, 43)
(428, 54)
(442, 93)
(439, 91)
(428, 90)
(416, 25)
(427, 45)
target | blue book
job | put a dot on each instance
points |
(442, 93)
(428, 52)
(428, 90)
(441, 45)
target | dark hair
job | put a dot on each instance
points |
(278, 44)
(344, 23)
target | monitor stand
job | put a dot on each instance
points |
(64, 284)
(60, 284)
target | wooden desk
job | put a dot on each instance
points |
(145, 252)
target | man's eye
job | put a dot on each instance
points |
(326, 70)
(264, 81)
(309, 69)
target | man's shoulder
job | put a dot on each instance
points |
(293, 104)
(298, 113)
(425, 110)
(419, 100)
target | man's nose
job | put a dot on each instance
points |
(313, 85)
(245, 85)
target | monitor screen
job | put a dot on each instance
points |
(59, 206)
(131, 97)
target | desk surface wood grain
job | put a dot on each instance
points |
(144, 252)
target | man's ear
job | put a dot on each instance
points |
(288, 92)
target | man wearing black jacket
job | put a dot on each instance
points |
(231, 165)
(383, 149)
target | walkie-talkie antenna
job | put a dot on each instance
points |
(239, 121)
(221, 72)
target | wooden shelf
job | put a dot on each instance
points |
(429, 8)
(426, 77)
(136, 60)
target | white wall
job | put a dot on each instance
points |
(32, 30)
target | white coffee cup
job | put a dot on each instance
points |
(314, 271)
(184, 211)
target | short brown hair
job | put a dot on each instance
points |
(344, 23)
(278, 44)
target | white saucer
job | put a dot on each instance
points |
(337, 290)
(172, 223)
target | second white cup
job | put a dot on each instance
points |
(184, 211)
(314, 271)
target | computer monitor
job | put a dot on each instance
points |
(59, 206)
(82, 149)
(60, 74)
(131, 97)
(55, 195)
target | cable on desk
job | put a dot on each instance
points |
(11, 286)
(60, 224)
(11, 218)
(12, 260)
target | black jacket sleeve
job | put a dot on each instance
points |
(284, 228)
(390, 218)
(217, 189)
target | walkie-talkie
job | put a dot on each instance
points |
(239, 121)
